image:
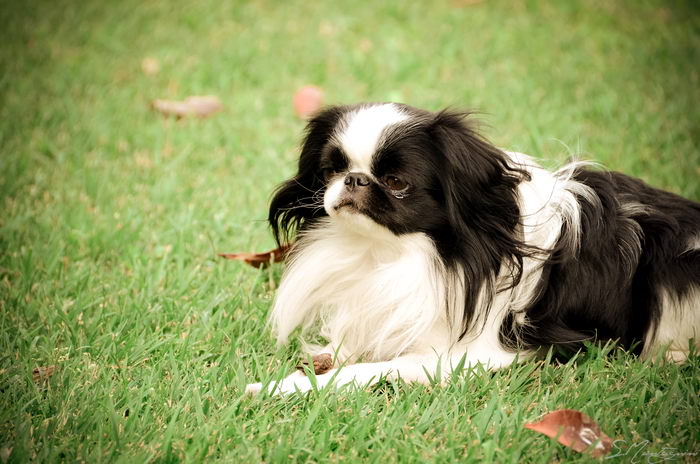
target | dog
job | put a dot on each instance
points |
(422, 248)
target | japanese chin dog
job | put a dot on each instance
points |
(420, 248)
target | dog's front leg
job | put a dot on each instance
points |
(410, 368)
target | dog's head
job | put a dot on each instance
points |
(393, 169)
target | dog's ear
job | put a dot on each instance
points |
(478, 182)
(481, 202)
(300, 198)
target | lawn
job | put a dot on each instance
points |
(112, 217)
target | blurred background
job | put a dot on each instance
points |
(611, 81)
(112, 214)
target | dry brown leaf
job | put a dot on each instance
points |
(322, 363)
(40, 374)
(150, 66)
(463, 3)
(259, 259)
(574, 429)
(326, 29)
(5, 453)
(191, 106)
(365, 45)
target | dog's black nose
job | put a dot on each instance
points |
(356, 179)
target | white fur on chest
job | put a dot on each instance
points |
(372, 295)
(375, 295)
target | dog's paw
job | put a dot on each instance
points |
(253, 388)
(296, 382)
(292, 384)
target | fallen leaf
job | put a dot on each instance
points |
(150, 66)
(5, 453)
(191, 106)
(307, 101)
(322, 363)
(40, 374)
(573, 429)
(365, 45)
(463, 3)
(259, 259)
(326, 29)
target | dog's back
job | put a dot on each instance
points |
(635, 276)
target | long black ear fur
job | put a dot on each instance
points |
(299, 200)
(482, 207)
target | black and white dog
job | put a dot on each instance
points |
(419, 244)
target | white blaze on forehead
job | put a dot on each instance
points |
(363, 129)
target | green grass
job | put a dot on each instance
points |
(111, 217)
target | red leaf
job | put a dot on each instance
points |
(573, 429)
(259, 259)
(307, 101)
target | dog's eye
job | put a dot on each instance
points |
(394, 183)
(327, 173)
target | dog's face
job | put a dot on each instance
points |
(394, 169)
(379, 164)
